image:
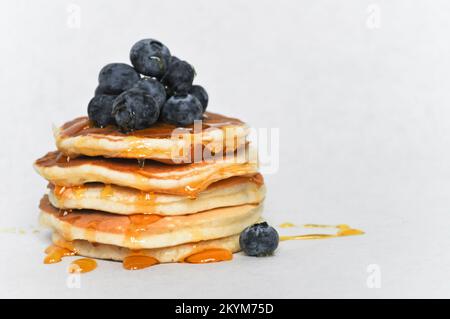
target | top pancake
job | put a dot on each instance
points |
(158, 142)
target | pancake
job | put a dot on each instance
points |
(216, 132)
(148, 231)
(188, 179)
(163, 255)
(233, 191)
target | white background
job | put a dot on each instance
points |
(359, 90)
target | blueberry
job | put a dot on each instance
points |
(179, 77)
(200, 93)
(259, 240)
(134, 110)
(174, 59)
(150, 57)
(100, 90)
(181, 110)
(154, 88)
(114, 78)
(170, 91)
(100, 110)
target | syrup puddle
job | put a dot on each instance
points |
(342, 230)
(135, 262)
(82, 265)
(56, 253)
(209, 256)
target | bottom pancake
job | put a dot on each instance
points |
(172, 254)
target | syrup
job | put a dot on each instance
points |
(208, 256)
(59, 190)
(56, 253)
(82, 126)
(343, 230)
(78, 191)
(106, 192)
(82, 265)
(145, 198)
(137, 225)
(91, 230)
(287, 225)
(135, 262)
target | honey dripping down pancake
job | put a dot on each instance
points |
(160, 142)
(148, 231)
(234, 191)
(188, 179)
(207, 251)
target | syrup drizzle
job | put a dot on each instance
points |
(343, 230)
(83, 126)
(59, 190)
(287, 225)
(146, 198)
(106, 192)
(137, 225)
(78, 191)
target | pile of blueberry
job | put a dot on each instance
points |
(164, 92)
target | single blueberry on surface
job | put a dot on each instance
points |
(154, 88)
(135, 109)
(200, 93)
(100, 110)
(114, 78)
(181, 110)
(179, 77)
(150, 57)
(259, 240)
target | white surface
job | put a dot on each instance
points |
(363, 116)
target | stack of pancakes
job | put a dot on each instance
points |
(116, 196)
